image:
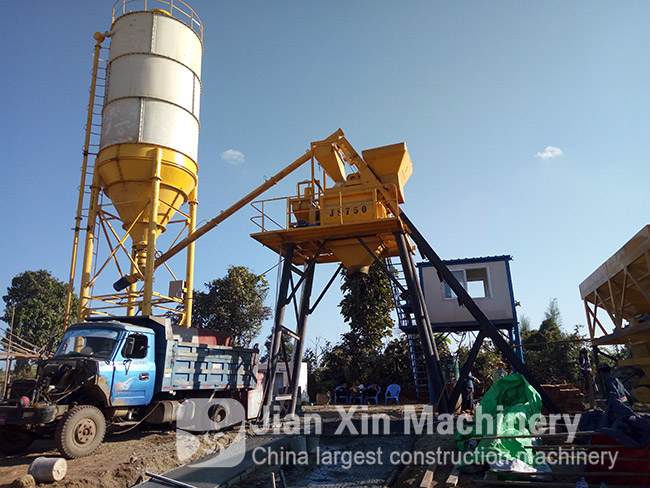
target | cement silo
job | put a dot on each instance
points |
(146, 161)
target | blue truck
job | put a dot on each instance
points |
(126, 368)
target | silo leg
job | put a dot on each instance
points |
(147, 299)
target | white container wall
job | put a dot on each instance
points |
(488, 282)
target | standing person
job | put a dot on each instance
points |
(468, 392)
(500, 371)
(586, 376)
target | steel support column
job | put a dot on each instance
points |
(299, 346)
(276, 337)
(422, 321)
(485, 324)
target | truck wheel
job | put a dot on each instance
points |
(218, 414)
(13, 442)
(80, 431)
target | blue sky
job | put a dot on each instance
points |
(478, 90)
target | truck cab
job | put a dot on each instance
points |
(125, 356)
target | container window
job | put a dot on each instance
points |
(459, 274)
(475, 280)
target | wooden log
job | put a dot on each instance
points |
(427, 479)
(170, 481)
(452, 479)
(530, 436)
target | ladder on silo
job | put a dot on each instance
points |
(407, 325)
(92, 130)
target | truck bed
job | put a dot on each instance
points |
(192, 366)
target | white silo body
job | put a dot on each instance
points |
(154, 83)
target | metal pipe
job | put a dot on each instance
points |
(327, 287)
(466, 369)
(477, 313)
(382, 265)
(422, 321)
(171, 481)
(132, 291)
(8, 362)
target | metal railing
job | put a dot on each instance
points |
(376, 207)
(176, 8)
(263, 220)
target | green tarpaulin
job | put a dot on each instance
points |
(505, 410)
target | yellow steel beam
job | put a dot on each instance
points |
(84, 169)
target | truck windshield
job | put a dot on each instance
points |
(90, 342)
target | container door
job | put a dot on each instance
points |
(135, 371)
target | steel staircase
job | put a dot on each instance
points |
(407, 325)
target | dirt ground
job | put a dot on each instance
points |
(121, 461)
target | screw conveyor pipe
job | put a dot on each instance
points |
(126, 281)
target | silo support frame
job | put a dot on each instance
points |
(84, 288)
(189, 275)
(147, 307)
(132, 299)
(287, 292)
(132, 291)
(301, 331)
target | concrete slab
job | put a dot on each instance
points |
(218, 471)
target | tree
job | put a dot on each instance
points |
(288, 347)
(366, 306)
(234, 304)
(393, 365)
(36, 301)
(550, 354)
(524, 324)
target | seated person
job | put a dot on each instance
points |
(614, 389)
(357, 391)
(341, 391)
(371, 392)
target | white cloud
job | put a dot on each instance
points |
(233, 156)
(549, 153)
